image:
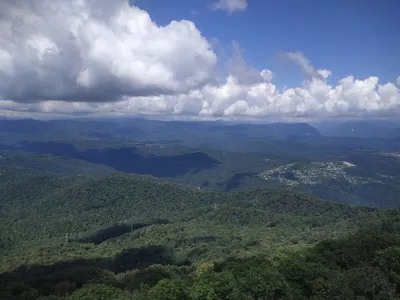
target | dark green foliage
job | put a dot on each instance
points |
(21, 162)
(99, 292)
(130, 237)
(115, 231)
(296, 275)
(125, 159)
(224, 157)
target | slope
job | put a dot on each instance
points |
(59, 235)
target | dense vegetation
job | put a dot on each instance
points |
(19, 161)
(224, 156)
(130, 237)
(376, 174)
(71, 228)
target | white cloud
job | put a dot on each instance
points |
(316, 98)
(324, 73)
(244, 73)
(267, 75)
(83, 50)
(230, 6)
(304, 64)
(306, 67)
(398, 80)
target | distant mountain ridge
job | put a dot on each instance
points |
(362, 129)
(125, 159)
(142, 128)
(154, 129)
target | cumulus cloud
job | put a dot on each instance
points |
(350, 97)
(306, 67)
(243, 72)
(105, 58)
(398, 80)
(230, 6)
(324, 73)
(85, 50)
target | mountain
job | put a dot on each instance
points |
(23, 162)
(131, 237)
(350, 175)
(383, 129)
(145, 129)
(126, 159)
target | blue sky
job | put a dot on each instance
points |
(281, 59)
(348, 37)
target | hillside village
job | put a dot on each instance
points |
(312, 173)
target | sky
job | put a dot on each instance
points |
(262, 59)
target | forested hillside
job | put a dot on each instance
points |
(359, 176)
(22, 162)
(354, 169)
(130, 237)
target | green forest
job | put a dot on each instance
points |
(126, 236)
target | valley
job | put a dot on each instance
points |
(338, 176)
(88, 214)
